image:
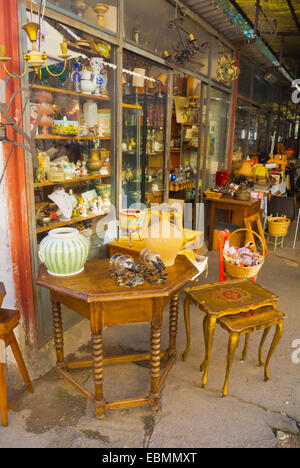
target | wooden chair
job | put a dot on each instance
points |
(9, 319)
(253, 223)
(237, 325)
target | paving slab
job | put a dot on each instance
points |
(56, 415)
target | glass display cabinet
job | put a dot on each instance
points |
(152, 144)
(145, 91)
(72, 128)
(131, 155)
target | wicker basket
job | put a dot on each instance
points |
(278, 226)
(236, 271)
(212, 195)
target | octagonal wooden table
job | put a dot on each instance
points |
(97, 297)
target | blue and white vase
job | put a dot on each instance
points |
(64, 252)
(97, 65)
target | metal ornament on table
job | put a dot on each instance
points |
(130, 274)
(153, 267)
(125, 271)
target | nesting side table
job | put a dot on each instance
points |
(219, 300)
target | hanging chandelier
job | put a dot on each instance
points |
(34, 58)
(186, 48)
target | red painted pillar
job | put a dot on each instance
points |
(15, 179)
(232, 124)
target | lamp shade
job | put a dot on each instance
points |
(162, 78)
(246, 169)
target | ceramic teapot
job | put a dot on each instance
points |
(87, 85)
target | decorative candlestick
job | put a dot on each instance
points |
(100, 10)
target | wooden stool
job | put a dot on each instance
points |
(246, 323)
(9, 319)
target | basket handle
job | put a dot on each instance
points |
(253, 232)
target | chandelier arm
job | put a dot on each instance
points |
(15, 75)
(53, 74)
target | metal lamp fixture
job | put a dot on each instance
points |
(34, 59)
(186, 48)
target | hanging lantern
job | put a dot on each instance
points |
(228, 69)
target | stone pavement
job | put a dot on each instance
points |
(56, 415)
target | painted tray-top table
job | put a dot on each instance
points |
(97, 297)
(221, 299)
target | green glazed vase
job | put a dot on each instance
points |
(64, 252)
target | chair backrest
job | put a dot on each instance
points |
(280, 206)
(2, 293)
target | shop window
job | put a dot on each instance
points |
(253, 132)
(241, 129)
(103, 15)
(185, 135)
(218, 128)
(244, 84)
(261, 90)
(142, 16)
(145, 91)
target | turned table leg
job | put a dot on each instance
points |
(97, 342)
(154, 398)
(98, 373)
(58, 332)
(173, 324)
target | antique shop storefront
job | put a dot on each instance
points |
(114, 110)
